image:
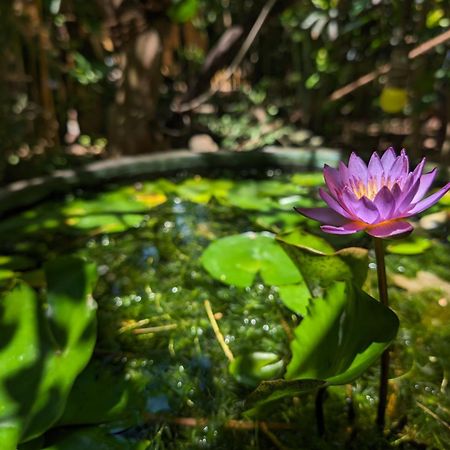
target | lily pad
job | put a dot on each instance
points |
(280, 221)
(247, 195)
(296, 297)
(320, 265)
(341, 335)
(410, 246)
(114, 211)
(308, 179)
(201, 190)
(237, 259)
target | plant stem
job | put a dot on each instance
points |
(320, 397)
(384, 370)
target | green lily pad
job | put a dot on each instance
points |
(44, 348)
(252, 368)
(303, 239)
(280, 221)
(296, 297)
(308, 179)
(237, 259)
(320, 265)
(201, 190)
(114, 211)
(341, 335)
(42, 218)
(247, 195)
(409, 246)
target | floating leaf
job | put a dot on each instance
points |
(248, 195)
(303, 239)
(319, 265)
(237, 259)
(43, 349)
(341, 335)
(280, 221)
(296, 297)
(201, 190)
(251, 368)
(409, 246)
(308, 179)
(113, 211)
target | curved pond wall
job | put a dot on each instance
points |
(25, 193)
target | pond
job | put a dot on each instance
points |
(190, 280)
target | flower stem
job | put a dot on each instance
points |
(320, 419)
(384, 372)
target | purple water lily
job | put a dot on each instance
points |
(376, 198)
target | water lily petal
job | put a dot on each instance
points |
(426, 180)
(388, 159)
(385, 203)
(429, 201)
(333, 203)
(375, 168)
(400, 167)
(348, 228)
(367, 211)
(390, 229)
(405, 157)
(405, 199)
(322, 215)
(417, 172)
(343, 173)
(332, 178)
(357, 167)
(350, 201)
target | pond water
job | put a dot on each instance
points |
(160, 378)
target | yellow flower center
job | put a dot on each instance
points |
(371, 189)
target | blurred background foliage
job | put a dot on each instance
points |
(88, 80)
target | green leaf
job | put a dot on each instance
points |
(237, 259)
(251, 368)
(341, 335)
(43, 348)
(320, 265)
(201, 190)
(248, 195)
(279, 221)
(114, 211)
(100, 395)
(295, 296)
(308, 179)
(409, 246)
(303, 239)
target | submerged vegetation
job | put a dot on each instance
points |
(198, 303)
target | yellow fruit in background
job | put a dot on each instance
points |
(393, 99)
